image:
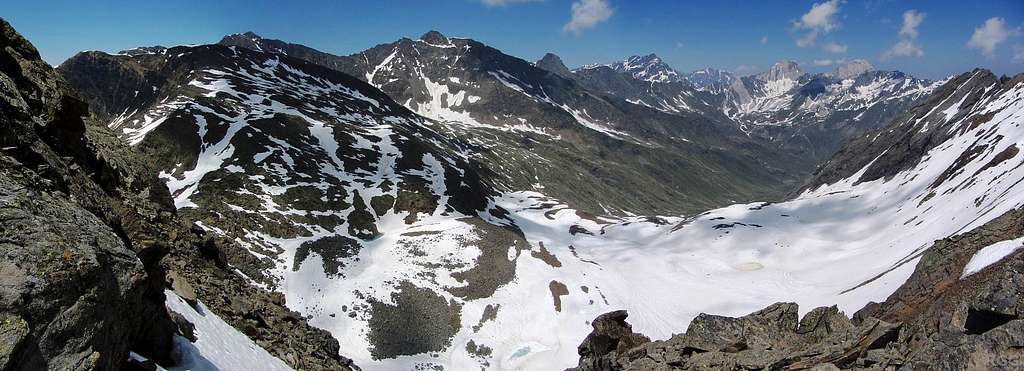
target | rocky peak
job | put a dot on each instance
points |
(156, 49)
(247, 39)
(851, 69)
(434, 37)
(552, 63)
(648, 68)
(711, 79)
(782, 70)
(650, 58)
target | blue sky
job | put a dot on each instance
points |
(943, 37)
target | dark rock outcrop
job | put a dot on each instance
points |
(552, 63)
(80, 277)
(611, 338)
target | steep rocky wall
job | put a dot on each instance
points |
(80, 280)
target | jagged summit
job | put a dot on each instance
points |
(248, 39)
(648, 68)
(435, 37)
(650, 57)
(552, 63)
(711, 79)
(156, 49)
(247, 35)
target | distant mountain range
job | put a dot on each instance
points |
(807, 114)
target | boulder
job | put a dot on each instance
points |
(612, 337)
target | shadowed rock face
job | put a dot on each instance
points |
(936, 320)
(552, 63)
(80, 281)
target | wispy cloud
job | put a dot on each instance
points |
(743, 68)
(989, 35)
(1018, 53)
(808, 39)
(824, 62)
(505, 2)
(764, 40)
(819, 20)
(586, 14)
(832, 47)
(907, 44)
(903, 48)
(911, 19)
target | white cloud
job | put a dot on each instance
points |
(821, 19)
(989, 35)
(911, 19)
(587, 14)
(505, 2)
(807, 40)
(825, 62)
(764, 40)
(832, 47)
(903, 48)
(907, 45)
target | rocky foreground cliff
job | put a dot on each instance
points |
(90, 240)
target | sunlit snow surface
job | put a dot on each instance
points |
(218, 345)
(843, 243)
(840, 244)
(991, 254)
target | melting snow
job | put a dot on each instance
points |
(991, 254)
(218, 346)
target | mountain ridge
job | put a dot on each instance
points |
(427, 81)
(437, 203)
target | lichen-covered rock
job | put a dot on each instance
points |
(821, 322)
(13, 332)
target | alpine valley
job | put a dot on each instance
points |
(434, 203)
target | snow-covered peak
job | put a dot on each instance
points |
(648, 68)
(851, 69)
